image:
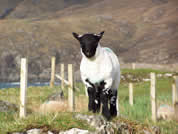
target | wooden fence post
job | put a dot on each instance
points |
(53, 62)
(62, 75)
(86, 91)
(23, 86)
(71, 95)
(131, 94)
(133, 66)
(153, 96)
(175, 90)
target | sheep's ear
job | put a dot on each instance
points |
(77, 36)
(100, 35)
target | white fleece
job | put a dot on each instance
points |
(103, 66)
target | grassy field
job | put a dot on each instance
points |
(140, 112)
(10, 121)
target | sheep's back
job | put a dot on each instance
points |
(114, 59)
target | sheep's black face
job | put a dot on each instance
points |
(88, 43)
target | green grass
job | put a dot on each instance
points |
(142, 71)
(10, 121)
(53, 122)
(139, 112)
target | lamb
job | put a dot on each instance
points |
(100, 72)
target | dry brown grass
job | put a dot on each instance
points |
(54, 106)
(82, 104)
(62, 106)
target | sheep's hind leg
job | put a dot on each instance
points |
(91, 95)
(105, 110)
(113, 107)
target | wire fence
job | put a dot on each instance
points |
(72, 97)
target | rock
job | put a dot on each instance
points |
(56, 96)
(168, 75)
(7, 106)
(94, 120)
(165, 112)
(97, 121)
(75, 131)
(123, 128)
(49, 132)
(146, 79)
(104, 127)
(34, 131)
(54, 106)
(146, 132)
(54, 103)
(156, 130)
(159, 75)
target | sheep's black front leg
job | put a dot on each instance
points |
(113, 99)
(97, 102)
(98, 88)
(105, 110)
(94, 97)
(91, 95)
(94, 100)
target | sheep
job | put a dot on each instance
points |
(100, 73)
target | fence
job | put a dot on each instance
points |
(24, 79)
(71, 88)
(70, 83)
(153, 94)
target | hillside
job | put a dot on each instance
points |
(138, 31)
(7, 6)
(43, 8)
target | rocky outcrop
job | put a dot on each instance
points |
(101, 127)
(7, 106)
(6, 6)
(120, 127)
(75, 131)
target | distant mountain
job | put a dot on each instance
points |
(143, 31)
(41, 8)
(6, 6)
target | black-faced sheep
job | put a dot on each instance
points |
(100, 72)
